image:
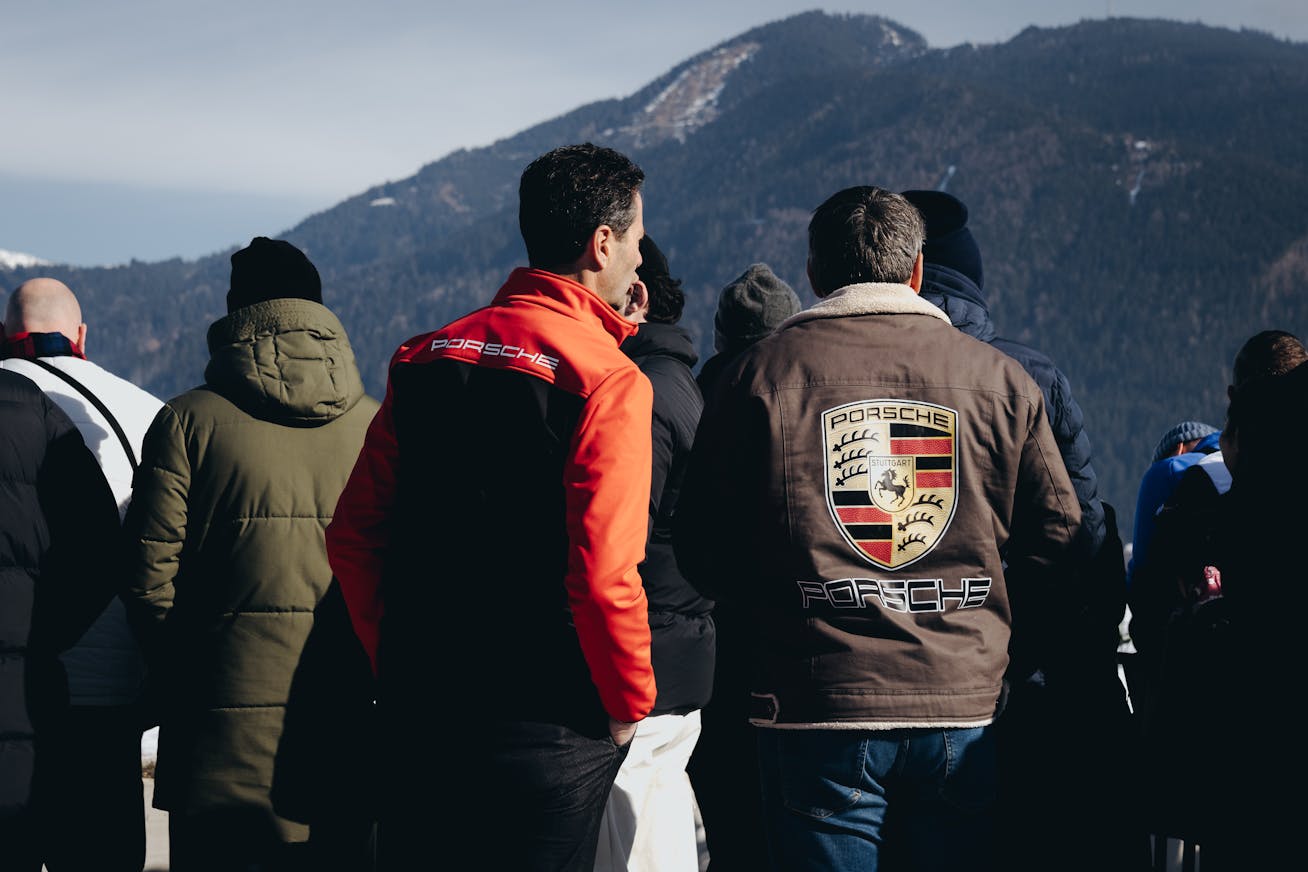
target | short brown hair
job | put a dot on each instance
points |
(863, 234)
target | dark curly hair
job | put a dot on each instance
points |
(666, 299)
(565, 194)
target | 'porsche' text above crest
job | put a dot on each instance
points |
(891, 467)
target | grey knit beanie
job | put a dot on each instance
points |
(1182, 432)
(751, 307)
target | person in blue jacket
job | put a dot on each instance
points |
(1180, 448)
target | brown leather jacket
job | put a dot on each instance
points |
(864, 482)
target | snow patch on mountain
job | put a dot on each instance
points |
(691, 100)
(18, 260)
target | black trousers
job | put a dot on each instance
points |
(724, 766)
(90, 801)
(20, 849)
(237, 839)
(520, 795)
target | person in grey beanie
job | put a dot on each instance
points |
(749, 308)
(723, 769)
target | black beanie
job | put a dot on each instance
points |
(653, 263)
(948, 241)
(271, 269)
(751, 307)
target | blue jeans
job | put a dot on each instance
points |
(920, 799)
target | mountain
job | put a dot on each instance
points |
(1135, 187)
(18, 260)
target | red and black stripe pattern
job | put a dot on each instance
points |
(878, 533)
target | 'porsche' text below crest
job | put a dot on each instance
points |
(890, 473)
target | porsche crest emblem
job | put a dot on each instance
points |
(891, 469)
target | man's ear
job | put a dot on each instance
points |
(915, 280)
(599, 248)
(808, 270)
(637, 305)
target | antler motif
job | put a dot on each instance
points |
(848, 474)
(850, 457)
(915, 539)
(930, 500)
(919, 518)
(855, 436)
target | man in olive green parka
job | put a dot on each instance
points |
(238, 480)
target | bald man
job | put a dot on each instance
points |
(45, 306)
(90, 779)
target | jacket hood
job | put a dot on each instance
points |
(667, 340)
(959, 298)
(285, 360)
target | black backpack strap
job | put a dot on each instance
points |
(95, 401)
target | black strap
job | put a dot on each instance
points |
(95, 401)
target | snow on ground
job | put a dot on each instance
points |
(18, 260)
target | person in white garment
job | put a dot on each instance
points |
(90, 778)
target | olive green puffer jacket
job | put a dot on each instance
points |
(238, 480)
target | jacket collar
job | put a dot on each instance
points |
(536, 287)
(667, 340)
(867, 298)
(960, 299)
(30, 346)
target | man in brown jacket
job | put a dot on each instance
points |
(862, 484)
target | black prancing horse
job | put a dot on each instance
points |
(887, 483)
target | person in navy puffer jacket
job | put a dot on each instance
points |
(953, 280)
(1065, 690)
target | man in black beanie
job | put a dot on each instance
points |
(954, 281)
(1079, 687)
(228, 563)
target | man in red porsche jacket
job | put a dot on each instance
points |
(488, 539)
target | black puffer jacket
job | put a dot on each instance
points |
(58, 526)
(966, 307)
(683, 637)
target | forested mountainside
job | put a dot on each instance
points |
(1136, 188)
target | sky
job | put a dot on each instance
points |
(148, 129)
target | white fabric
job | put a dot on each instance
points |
(650, 821)
(133, 407)
(105, 667)
(1215, 465)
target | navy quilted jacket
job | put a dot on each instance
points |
(966, 307)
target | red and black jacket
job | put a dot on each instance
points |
(488, 538)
